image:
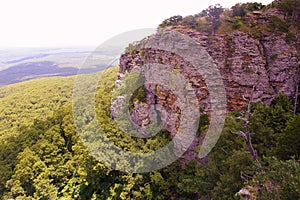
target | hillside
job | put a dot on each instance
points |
(22, 103)
(58, 146)
(48, 159)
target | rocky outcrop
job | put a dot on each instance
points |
(269, 62)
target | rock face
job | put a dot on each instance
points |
(269, 62)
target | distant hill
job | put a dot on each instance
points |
(17, 65)
(26, 64)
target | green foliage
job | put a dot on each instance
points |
(44, 188)
(131, 48)
(138, 95)
(289, 140)
(240, 9)
(274, 57)
(245, 66)
(278, 24)
(237, 23)
(207, 20)
(215, 19)
(290, 7)
(267, 122)
(55, 164)
(213, 16)
(278, 179)
(48, 160)
(22, 103)
(238, 165)
(190, 22)
(203, 123)
(290, 37)
(172, 21)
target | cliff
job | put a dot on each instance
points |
(258, 53)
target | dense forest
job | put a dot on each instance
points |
(35, 99)
(47, 160)
(43, 157)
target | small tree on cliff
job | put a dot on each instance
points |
(246, 133)
(213, 16)
(172, 21)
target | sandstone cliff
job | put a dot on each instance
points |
(245, 57)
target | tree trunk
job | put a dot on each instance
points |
(296, 99)
(247, 132)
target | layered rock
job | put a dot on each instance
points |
(268, 62)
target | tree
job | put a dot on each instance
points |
(27, 170)
(277, 180)
(213, 16)
(239, 169)
(171, 21)
(43, 188)
(289, 140)
(246, 133)
(240, 9)
(267, 122)
(290, 8)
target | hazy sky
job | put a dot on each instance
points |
(49, 23)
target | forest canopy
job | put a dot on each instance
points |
(47, 159)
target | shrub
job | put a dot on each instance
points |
(131, 48)
(274, 57)
(290, 37)
(238, 10)
(241, 9)
(278, 24)
(203, 123)
(237, 23)
(190, 21)
(171, 21)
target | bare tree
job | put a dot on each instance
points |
(246, 134)
(296, 100)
